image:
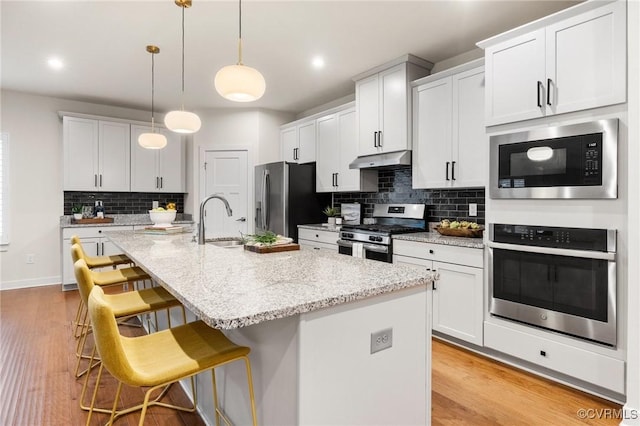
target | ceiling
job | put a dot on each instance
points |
(102, 44)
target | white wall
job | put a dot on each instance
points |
(36, 193)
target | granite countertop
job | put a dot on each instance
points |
(124, 220)
(321, 227)
(230, 287)
(435, 238)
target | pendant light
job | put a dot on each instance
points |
(181, 121)
(240, 83)
(152, 140)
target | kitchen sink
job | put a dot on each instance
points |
(225, 242)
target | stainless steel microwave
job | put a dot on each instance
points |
(575, 161)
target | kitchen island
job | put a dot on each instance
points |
(313, 321)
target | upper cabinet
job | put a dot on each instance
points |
(337, 147)
(450, 143)
(383, 105)
(96, 154)
(298, 141)
(571, 63)
(159, 170)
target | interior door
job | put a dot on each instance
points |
(226, 175)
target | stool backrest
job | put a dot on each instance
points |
(83, 277)
(79, 252)
(107, 337)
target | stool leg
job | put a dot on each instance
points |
(95, 392)
(251, 396)
(215, 396)
(115, 403)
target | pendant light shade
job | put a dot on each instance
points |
(240, 83)
(152, 140)
(181, 121)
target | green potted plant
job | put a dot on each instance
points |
(76, 209)
(331, 213)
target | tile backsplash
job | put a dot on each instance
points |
(394, 186)
(122, 202)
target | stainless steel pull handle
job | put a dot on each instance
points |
(242, 219)
(97, 249)
(375, 139)
(379, 138)
(447, 170)
(161, 183)
(336, 179)
(538, 94)
(549, 82)
(157, 182)
(95, 180)
(102, 253)
(101, 180)
(453, 170)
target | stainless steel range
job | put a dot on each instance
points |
(373, 241)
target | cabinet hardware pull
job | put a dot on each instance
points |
(539, 101)
(543, 353)
(375, 139)
(336, 179)
(157, 182)
(97, 249)
(95, 180)
(447, 170)
(100, 180)
(433, 285)
(317, 236)
(161, 183)
(102, 253)
(430, 251)
(549, 81)
(379, 138)
(453, 170)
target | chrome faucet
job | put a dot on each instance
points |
(202, 204)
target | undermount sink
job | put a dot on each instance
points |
(226, 242)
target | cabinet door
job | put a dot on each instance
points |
(289, 144)
(348, 179)
(171, 161)
(327, 153)
(586, 60)
(469, 139)
(458, 302)
(91, 247)
(393, 109)
(80, 152)
(515, 71)
(114, 156)
(367, 107)
(432, 137)
(307, 142)
(144, 164)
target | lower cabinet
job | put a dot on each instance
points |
(318, 239)
(458, 293)
(93, 243)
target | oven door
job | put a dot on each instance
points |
(369, 251)
(570, 291)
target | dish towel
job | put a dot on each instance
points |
(357, 250)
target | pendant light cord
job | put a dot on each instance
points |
(152, 89)
(182, 96)
(240, 32)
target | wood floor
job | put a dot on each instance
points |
(37, 385)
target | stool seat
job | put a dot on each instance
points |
(103, 261)
(137, 302)
(117, 276)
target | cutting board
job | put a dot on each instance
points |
(92, 220)
(273, 249)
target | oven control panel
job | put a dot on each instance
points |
(550, 236)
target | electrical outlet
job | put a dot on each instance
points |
(381, 340)
(154, 204)
(473, 209)
(31, 258)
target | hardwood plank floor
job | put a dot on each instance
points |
(37, 385)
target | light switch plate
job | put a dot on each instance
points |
(154, 204)
(473, 209)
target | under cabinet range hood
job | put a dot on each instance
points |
(398, 158)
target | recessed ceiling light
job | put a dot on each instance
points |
(55, 63)
(318, 62)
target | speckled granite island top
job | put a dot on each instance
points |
(321, 227)
(435, 238)
(230, 287)
(123, 220)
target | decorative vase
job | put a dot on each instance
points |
(331, 221)
(77, 216)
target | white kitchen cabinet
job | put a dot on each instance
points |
(298, 142)
(93, 243)
(96, 154)
(157, 170)
(458, 293)
(336, 147)
(318, 239)
(383, 105)
(450, 142)
(569, 65)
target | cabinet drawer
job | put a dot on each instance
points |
(318, 245)
(328, 237)
(591, 367)
(440, 252)
(92, 231)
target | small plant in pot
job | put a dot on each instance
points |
(76, 209)
(331, 213)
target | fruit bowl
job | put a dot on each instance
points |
(162, 219)
(460, 232)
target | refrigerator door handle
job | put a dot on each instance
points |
(267, 201)
(263, 189)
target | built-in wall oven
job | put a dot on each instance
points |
(573, 161)
(561, 279)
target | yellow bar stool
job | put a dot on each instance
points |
(160, 359)
(123, 305)
(103, 278)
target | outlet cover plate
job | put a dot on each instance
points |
(473, 209)
(381, 340)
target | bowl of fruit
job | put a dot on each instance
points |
(459, 229)
(162, 217)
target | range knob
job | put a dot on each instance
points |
(374, 238)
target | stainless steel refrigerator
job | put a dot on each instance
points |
(285, 197)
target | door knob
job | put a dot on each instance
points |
(242, 219)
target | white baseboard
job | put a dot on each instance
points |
(33, 282)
